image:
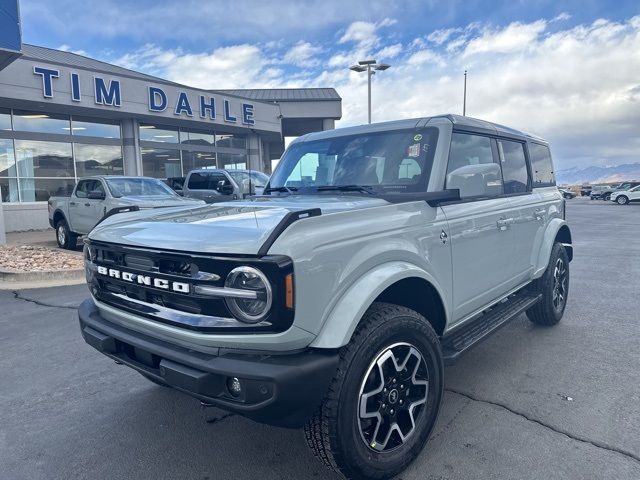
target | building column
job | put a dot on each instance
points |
(254, 157)
(328, 124)
(130, 147)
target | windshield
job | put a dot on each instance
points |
(258, 179)
(384, 162)
(124, 187)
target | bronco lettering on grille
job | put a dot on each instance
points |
(146, 280)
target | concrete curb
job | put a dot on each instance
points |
(21, 277)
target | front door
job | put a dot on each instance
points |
(480, 225)
(89, 210)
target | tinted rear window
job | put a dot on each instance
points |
(541, 165)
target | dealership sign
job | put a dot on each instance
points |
(110, 93)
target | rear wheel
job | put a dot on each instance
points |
(554, 287)
(385, 397)
(64, 236)
(622, 200)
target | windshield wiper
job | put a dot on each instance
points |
(284, 189)
(348, 188)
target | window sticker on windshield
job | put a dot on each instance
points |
(417, 137)
(413, 150)
(425, 147)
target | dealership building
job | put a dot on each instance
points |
(64, 116)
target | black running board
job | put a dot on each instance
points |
(463, 339)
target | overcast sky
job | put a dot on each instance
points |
(567, 71)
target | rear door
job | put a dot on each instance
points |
(480, 226)
(76, 203)
(528, 208)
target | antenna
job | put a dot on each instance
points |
(464, 98)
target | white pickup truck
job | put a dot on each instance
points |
(95, 198)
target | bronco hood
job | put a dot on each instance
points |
(240, 227)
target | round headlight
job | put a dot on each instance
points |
(255, 307)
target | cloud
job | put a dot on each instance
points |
(577, 86)
(514, 37)
(390, 51)
(303, 54)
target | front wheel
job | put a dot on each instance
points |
(384, 400)
(622, 200)
(554, 287)
(64, 236)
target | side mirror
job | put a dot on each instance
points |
(96, 195)
(483, 180)
(226, 189)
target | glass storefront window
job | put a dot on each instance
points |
(161, 163)
(154, 133)
(232, 161)
(43, 159)
(9, 187)
(231, 141)
(5, 119)
(7, 158)
(197, 138)
(194, 160)
(98, 160)
(93, 128)
(40, 189)
(25, 121)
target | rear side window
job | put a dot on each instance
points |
(541, 165)
(514, 167)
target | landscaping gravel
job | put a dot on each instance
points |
(28, 258)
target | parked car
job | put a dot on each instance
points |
(606, 193)
(95, 198)
(176, 184)
(376, 255)
(566, 193)
(219, 185)
(623, 197)
(597, 190)
(585, 190)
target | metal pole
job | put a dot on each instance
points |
(369, 80)
(464, 100)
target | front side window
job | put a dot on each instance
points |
(541, 165)
(472, 168)
(84, 187)
(514, 166)
(386, 162)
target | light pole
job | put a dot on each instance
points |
(369, 66)
(464, 98)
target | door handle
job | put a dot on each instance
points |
(73, 204)
(87, 204)
(503, 223)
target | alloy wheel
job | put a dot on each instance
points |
(559, 285)
(392, 397)
(62, 235)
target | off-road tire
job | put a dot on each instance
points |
(64, 236)
(333, 433)
(622, 200)
(545, 312)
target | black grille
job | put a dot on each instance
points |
(187, 310)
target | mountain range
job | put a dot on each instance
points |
(593, 174)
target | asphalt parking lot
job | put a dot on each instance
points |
(529, 403)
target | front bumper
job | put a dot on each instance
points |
(278, 389)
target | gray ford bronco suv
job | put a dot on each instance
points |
(377, 255)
